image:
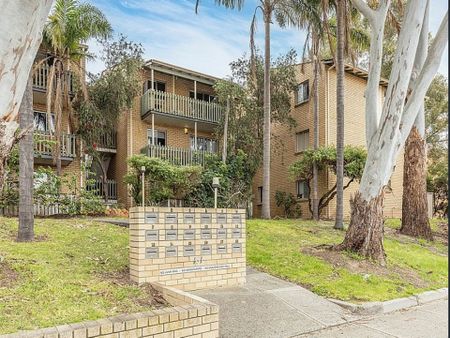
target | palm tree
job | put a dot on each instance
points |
(283, 11)
(340, 44)
(69, 26)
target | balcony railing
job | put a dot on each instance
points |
(183, 106)
(107, 141)
(177, 156)
(97, 187)
(43, 144)
(40, 78)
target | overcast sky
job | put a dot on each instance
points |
(170, 31)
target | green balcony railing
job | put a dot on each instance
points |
(182, 106)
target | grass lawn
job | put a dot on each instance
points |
(75, 271)
(290, 249)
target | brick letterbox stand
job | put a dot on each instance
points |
(189, 248)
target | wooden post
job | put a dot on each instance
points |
(153, 134)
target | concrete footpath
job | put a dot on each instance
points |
(270, 307)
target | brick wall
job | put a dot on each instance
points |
(191, 248)
(132, 130)
(283, 143)
(190, 316)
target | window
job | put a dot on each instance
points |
(302, 94)
(260, 195)
(42, 124)
(158, 85)
(160, 137)
(302, 190)
(204, 143)
(202, 96)
(301, 141)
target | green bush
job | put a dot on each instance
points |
(235, 183)
(163, 180)
(289, 203)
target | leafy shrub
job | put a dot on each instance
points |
(289, 203)
(235, 183)
(163, 180)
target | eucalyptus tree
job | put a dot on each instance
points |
(70, 25)
(284, 13)
(414, 202)
(24, 21)
(111, 93)
(388, 128)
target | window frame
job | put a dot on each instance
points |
(297, 151)
(47, 129)
(297, 102)
(260, 195)
(207, 139)
(156, 137)
(148, 85)
(305, 198)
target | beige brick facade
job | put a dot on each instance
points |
(190, 248)
(132, 129)
(284, 143)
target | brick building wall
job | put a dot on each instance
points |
(284, 143)
(132, 129)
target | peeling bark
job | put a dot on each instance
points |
(365, 233)
(24, 21)
(414, 206)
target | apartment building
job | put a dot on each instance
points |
(295, 141)
(174, 119)
(71, 150)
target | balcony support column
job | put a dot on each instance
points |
(195, 135)
(152, 77)
(153, 132)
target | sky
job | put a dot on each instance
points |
(170, 31)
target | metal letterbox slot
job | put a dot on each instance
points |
(151, 252)
(236, 219)
(205, 218)
(206, 249)
(171, 235)
(221, 233)
(151, 235)
(151, 217)
(236, 233)
(171, 218)
(236, 247)
(205, 233)
(222, 249)
(171, 251)
(221, 218)
(189, 218)
(189, 234)
(189, 250)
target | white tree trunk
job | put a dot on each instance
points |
(384, 145)
(365, 233)
(21, 22)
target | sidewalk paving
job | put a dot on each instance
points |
(270, 307)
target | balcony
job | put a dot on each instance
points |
(43, 144)
(177, 156)
(97, 186)
(107, 142)
(40, 78)
(173, 105)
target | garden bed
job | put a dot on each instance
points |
(296, 250)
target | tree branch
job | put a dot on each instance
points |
(424, 79)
